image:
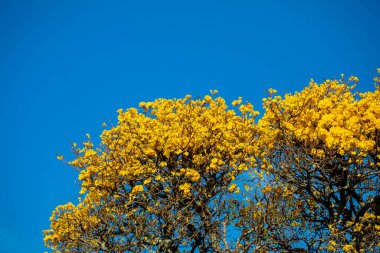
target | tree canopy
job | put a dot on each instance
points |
(194, 175)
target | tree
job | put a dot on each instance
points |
(192, 175)
(161, 180)
(324, 143)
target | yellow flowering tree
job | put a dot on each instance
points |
(192, 175)
(324, 144)
(161, 180)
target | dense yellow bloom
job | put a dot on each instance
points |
(185, 188)
(193, 175)
(170, 146)
(166, 169)
(324, 142)
(328, 113)
(348, 248)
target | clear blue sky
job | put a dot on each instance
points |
(67, 66)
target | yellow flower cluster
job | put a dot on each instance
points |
(137, 189)
(191, 174)
(185, 188)
(328, 113)
(234, 188)
(170, 154)
(65, 221)
(169, 133)
(324, 140)
(166, 147)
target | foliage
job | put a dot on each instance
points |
(160, 180)
(192, 175)
(324, 143)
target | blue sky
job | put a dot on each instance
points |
(67, 66)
